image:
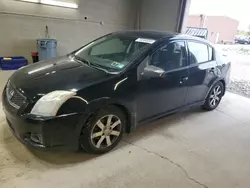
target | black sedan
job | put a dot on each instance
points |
(90, 97)
(242, 41)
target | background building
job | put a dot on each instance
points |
(220, 28)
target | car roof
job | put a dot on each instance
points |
(148, 34)
(158, 35)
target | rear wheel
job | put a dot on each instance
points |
(214, 97)
(104, 131)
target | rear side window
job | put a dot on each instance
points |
(199, 52)
(210, 53)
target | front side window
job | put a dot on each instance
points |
(170, 57)
(198, 52)
(114, 52)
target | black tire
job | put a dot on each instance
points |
(209, 105)
(89, 144)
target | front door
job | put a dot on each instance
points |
(157, 96)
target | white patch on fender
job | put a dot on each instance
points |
(143, 40)
(49, 104)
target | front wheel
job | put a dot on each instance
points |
(104, 131)
(214, 97)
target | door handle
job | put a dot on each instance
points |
(183, 79)
(212, 70)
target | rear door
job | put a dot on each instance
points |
(202, 71)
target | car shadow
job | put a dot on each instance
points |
(59, 158)
(62, 157)
(18, 152)
(161, 125)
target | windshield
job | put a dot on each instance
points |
(113, 52)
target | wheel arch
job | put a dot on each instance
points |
(129, 117)
(224, 84)
(127, 110)
(215, 82)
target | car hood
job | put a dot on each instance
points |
(61, 73)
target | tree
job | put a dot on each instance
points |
(248, 33)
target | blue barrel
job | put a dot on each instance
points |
(46, 48)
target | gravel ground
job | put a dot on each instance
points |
(239, 55)
(241, 87)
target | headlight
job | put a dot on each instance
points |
(49, 104)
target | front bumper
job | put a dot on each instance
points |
(60, 132)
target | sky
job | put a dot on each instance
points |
(237, 9)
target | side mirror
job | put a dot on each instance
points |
(153, 72)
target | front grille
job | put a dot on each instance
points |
(14, 97)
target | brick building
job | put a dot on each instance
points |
(220, 28)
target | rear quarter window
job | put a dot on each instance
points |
(210, 53)
(198, 52)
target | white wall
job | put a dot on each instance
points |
(22, 23)
(161, 15)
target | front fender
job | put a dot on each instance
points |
(127, 106)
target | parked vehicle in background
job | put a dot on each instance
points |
(242, 40)
(90, 97)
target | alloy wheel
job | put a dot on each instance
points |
(106, 131)
(215, 96)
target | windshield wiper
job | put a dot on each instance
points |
(85, 61)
